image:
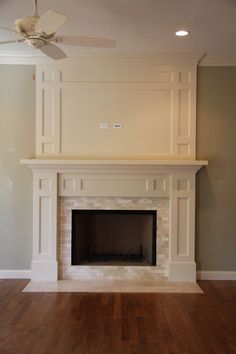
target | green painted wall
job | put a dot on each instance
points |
(17, 141)
(216, 184)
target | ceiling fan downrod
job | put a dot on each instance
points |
(36, 14)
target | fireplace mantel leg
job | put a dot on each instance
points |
(182, 265)
(44, 263)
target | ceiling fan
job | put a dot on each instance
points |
(40, 33)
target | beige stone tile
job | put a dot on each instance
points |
(120, 286)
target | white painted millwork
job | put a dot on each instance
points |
(182, 214)
(25, 58)
(113, 185)
(153, 98)
(216, 275)
(15, 273)
(162, 179)
(44, 263)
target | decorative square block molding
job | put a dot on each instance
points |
(172, 179)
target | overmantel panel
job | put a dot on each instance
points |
(154, 98)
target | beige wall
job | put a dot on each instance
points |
(216, 185)
(17, 140)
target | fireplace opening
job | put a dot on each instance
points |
(113, 237)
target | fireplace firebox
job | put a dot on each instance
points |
(113, 237)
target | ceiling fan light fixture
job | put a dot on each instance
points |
(182, 33)
(39, 32)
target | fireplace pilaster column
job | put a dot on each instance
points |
(182, 227)
(44, 263)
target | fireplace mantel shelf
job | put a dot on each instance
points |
(69, 164)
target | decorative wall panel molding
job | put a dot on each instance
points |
(153, 99)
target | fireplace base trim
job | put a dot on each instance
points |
(185, 271)
(44, 270)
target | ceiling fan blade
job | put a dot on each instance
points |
(86, 41)
(50, 22)
(8, 29)
(12, 41)
(53, 51)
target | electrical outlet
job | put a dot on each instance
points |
(117, 125)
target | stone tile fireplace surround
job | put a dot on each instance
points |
(67, 271)
(149, 163)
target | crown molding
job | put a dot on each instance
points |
(26, 58)
(19, 58)
(208, 59)
(218, 59)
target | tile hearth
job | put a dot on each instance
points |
(114, 286)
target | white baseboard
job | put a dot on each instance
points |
(216, 275)
(15, 274)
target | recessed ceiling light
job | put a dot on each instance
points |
(182, 33)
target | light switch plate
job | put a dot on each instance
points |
(103, 125)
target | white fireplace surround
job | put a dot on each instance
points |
(172, 179)
(152, 156)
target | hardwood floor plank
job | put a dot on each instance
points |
(88, 323)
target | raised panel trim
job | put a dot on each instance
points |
(44, 216)
(122, 185)
(127, 72)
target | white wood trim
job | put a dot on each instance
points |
(67, 164)
(44, 270)
(218, 60)
(216, 275)
(114, 178)
(44, 226)
(182, 271)
(15, 274)
(26, 57)
(85, 76)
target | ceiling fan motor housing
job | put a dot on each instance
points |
(26, 25)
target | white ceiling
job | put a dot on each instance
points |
(139, 26)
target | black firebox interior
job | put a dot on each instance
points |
(118, 237)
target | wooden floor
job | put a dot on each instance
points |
(88, 323)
